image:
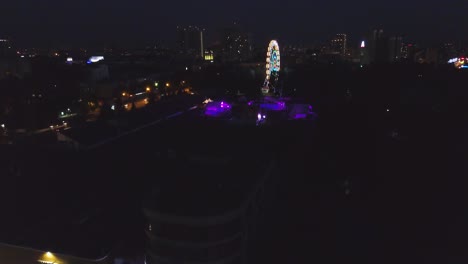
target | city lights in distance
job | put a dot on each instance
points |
(363, 44)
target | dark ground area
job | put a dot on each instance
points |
(364, 185)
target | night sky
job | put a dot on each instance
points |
(138, 22)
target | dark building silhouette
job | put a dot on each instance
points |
(207, 206)
(190, 41)
(408, 51)
(379, 48)
(448, 51)
(395, 44)
(235, 45)
(378, 45)
(364, 57)
(6, 48)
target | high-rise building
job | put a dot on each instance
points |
(408, 51)
(448, 51)
(377, 46)
(6, 48)
(364, 53)
(395, 44)
(235, 45)
(208, 204)
(338, 44)
(190, 41)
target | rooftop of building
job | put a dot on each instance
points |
(209, 170)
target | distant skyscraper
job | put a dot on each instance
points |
(395, 44)
(380, 43)
(448, 51)
(190, 41)
(377, 47)
(364, 53)
(407, 51)
(6, 48)
(235, 45)
(338, 44)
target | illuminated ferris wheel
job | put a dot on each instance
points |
(273, 66)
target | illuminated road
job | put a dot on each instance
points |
(51, 128)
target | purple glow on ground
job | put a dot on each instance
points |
(300, 116)
(278, 106)
(216, 109)
(224, 105)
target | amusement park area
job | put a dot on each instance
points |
(201, 156)
(269, 108)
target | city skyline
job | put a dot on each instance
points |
(87, 23)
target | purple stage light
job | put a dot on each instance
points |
(273, 106)
(217, 109)
(300, 116)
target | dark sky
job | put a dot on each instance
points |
(136, 22)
